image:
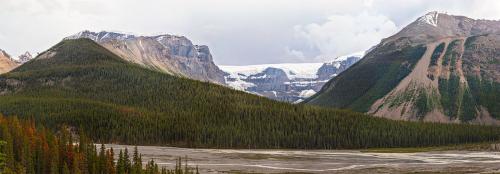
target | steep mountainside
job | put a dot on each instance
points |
(286, 82)
(440, 68)
(6, 62)
(84, 85)
(167, 53)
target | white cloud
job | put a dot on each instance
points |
(294, 53)
(238, 32)
(345, 34)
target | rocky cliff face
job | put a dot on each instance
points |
(23, 58)
(6, 62)
(175, 55)
(286, 82)
(329, 70)
(440, 68)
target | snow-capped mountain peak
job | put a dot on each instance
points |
(292, 70)
(291, 82)
(430, 18)
(101, 36)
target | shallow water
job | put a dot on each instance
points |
(321, 161)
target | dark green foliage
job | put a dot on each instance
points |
(423, 104)
(468, 107)
(85, 85)
(451, 54)
(470, 40)
(373, 77)
(436, 54)
(485, 93)
(483, 86)
(457, 99)
(2, 155)
(45, 152)
(450, 95)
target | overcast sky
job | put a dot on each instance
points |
(238, 32)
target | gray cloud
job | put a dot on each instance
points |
(237, 31)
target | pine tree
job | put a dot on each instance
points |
(102, 160)
(120, 165)
(110, 164)
(2, 155)
(137, 162)
(127, 163)
(8, 148)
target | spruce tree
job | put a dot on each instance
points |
(137, 162)
(102, 160)
(127, 163)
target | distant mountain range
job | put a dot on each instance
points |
(286, 82)
(176, 55)
(8, 63)
(440, 68)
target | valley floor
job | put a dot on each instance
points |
(325, 161)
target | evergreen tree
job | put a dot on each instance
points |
(110, 164)
(102, 167)
(127, 164)
(45, 152)
(137, 162)
(120, 165)
(2, 156)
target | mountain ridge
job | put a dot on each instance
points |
(171, 54)
(453, 78)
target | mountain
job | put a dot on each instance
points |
(286, 82)
(23, 58)
(167, 53)
(6, 62)
(85, 86)
(440, 68)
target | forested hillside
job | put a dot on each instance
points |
(81, 84)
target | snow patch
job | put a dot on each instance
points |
(430, 18)
(239, 84)
(343, 58)
(292, 70)
(298, 101)
(307, 93)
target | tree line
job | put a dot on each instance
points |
(86, 86)
(29, 149)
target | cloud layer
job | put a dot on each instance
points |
(238, 32)
(345, 34)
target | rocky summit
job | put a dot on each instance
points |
(171, 54)
(440, 68)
